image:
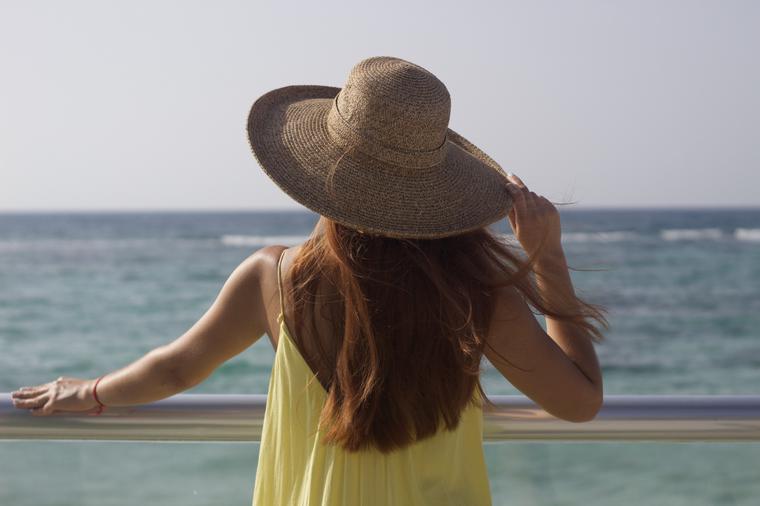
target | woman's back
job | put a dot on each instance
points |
(296, 468)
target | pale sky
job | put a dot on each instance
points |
(143, 105)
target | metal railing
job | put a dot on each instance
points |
(225, 418)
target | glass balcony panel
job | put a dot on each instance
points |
(522, 473)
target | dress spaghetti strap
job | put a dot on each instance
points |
(281, 315)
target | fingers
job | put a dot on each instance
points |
(526, 202)
(31, 402)
(27, 392)
(516, 180)
(41, 405)
(523, 198)
(36, 399)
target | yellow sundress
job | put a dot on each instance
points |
(295, 468)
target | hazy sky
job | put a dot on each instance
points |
(143, 105)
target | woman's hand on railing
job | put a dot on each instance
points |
(62, 394)
(533, 218)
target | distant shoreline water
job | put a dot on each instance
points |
(239, 240)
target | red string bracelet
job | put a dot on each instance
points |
(101, 406)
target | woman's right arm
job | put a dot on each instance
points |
(558, 370)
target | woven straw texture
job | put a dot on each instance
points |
(377, 155)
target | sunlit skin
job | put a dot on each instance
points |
(559, 369)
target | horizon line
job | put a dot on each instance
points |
(222, 210)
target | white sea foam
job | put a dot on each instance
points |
(110, 243)
(238, 240)
(610, 236)
(82, 244)
(262, 240)
(747, 234)
(691, 234)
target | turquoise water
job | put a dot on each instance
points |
(83, 294)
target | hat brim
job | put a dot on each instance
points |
(287, 131)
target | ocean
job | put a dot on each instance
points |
(82, 294)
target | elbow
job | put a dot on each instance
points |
(587, 410)
(584, 416)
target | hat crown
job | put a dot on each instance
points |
(395, 103)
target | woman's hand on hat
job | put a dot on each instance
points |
(532, 218)
(62, 394)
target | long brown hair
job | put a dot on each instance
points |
(410, 322)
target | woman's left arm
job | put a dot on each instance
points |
(235, 321)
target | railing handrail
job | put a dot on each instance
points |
(239, 418)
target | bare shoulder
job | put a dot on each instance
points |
(266, 256)
(254, 267)
(261, 265)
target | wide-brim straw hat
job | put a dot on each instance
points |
(377, 155)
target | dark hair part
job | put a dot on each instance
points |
(411, 323)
